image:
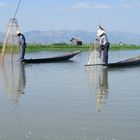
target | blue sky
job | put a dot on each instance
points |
(114, 15)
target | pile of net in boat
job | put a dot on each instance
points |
(94, 55)
(10, 47)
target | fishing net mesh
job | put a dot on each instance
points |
(94, 55)
(11, 73)
(10, 47)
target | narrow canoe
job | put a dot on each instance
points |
(59, 58)
(135, 61)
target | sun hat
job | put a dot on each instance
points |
(18, 32)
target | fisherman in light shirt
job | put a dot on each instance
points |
(22, 44)
(104, 44)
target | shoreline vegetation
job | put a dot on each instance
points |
(68, 47)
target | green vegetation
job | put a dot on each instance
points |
(124, 47)
(66, 47)
(56, 47)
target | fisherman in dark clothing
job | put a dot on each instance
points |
(104, 44)
(22, 44)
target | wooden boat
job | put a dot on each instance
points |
(59, 58)
(134, 61)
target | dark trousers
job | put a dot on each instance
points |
(104, 53)
(22, 51)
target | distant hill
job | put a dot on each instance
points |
(64, 36)
(125, 37)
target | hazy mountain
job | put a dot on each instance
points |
(64, 36)
(59, 36)
(125, 37)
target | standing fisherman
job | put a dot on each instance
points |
(22, 44)
(104, 44)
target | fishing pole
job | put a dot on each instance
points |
(17, 8)
(13, 21)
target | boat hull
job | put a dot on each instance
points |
(59, 58)
(135, 61)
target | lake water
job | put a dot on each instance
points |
(68, 101)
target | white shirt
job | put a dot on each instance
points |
(103, 39)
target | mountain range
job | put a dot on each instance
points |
(64, 36)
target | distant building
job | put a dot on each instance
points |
(121, 43)
(76, 41)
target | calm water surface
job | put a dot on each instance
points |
(68, 101)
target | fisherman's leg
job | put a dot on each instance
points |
(107, 49)
(105, 55)
(106, 59)
(20, 52)
(23, 52)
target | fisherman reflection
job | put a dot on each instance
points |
(13, 79)
(98, 77)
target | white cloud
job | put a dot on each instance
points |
(90, 5)
(96, 5)
(131, 5)
(3, 4)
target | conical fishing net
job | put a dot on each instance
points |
(10, 47)
(11, 73)
(94, 55)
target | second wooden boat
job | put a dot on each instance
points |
(134, 61)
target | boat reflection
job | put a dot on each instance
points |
(13, 80)
(98, 78)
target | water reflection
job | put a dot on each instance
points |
(98, 78)
(13, 79)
